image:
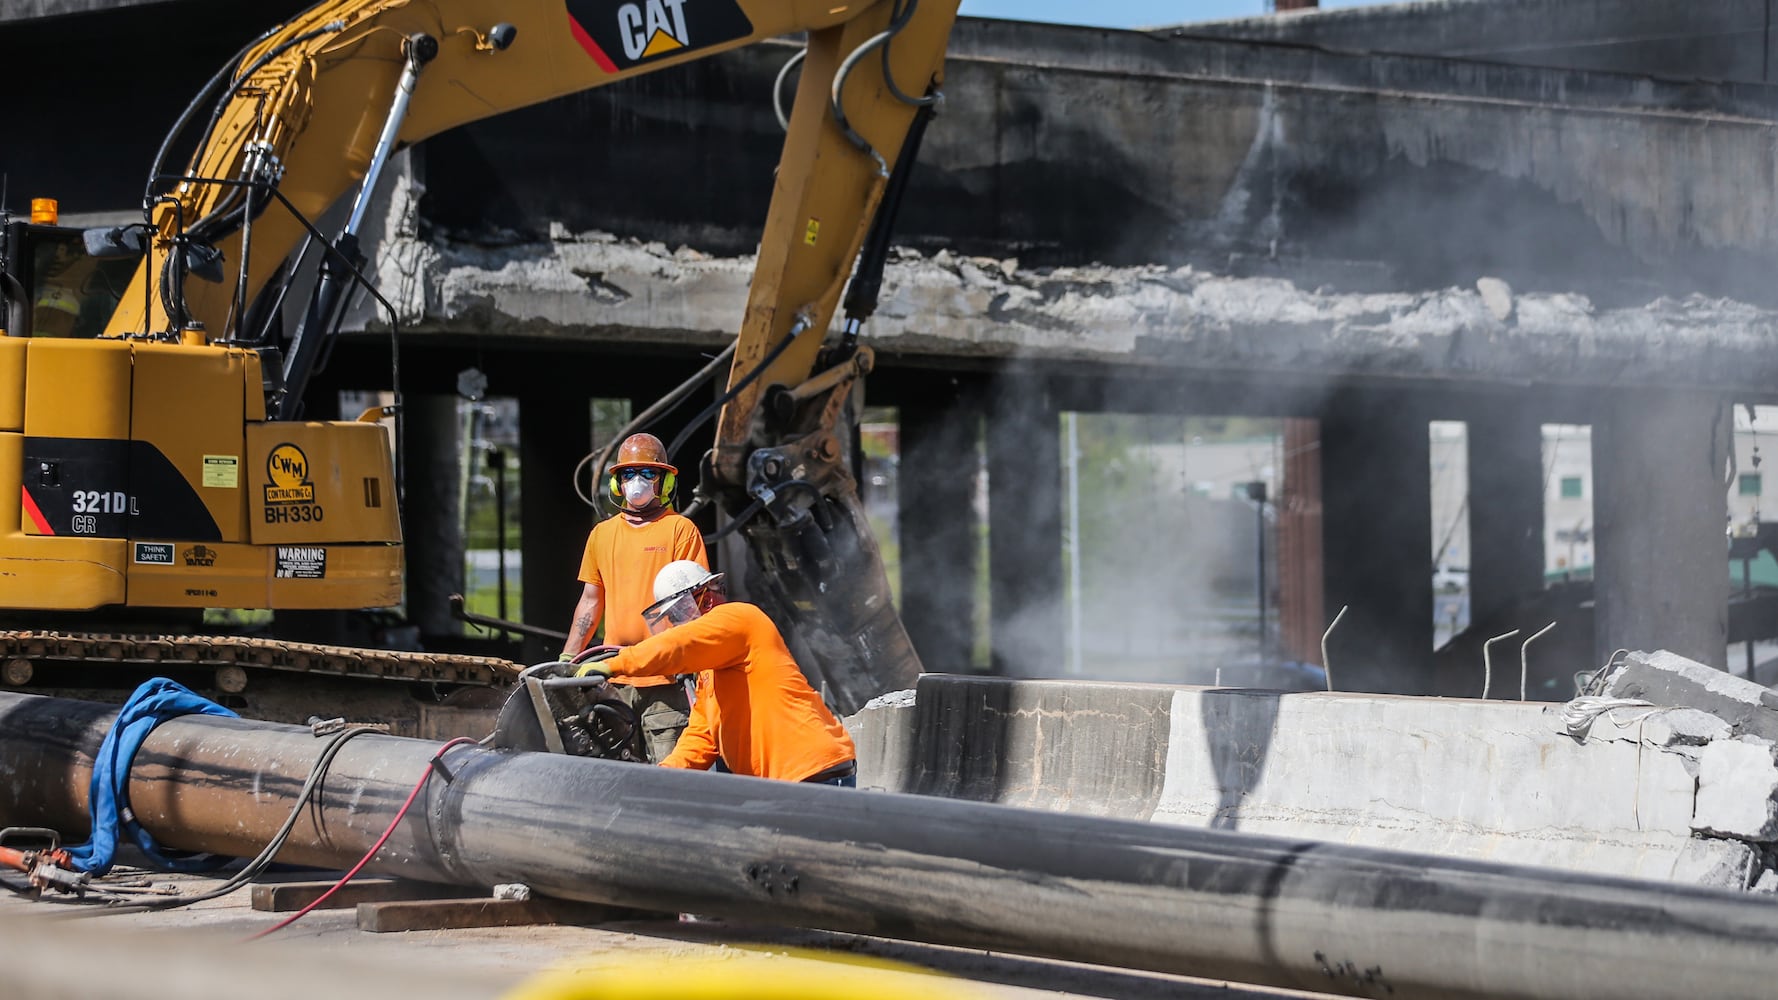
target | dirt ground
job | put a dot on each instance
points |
(63, 949)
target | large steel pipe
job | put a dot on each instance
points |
(1171, 899)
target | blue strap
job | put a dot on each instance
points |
(108, 800)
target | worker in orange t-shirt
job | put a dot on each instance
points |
(623, 555)
(754, 712)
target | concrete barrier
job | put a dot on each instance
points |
(1494, 780)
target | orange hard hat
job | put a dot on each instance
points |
(643, 451)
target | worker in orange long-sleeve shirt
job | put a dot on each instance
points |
(754, 712)
(623, 555)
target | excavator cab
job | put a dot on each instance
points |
(144, 471)
(54, 288)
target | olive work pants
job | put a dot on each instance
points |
(664, 710)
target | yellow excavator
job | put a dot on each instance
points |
(153, 411)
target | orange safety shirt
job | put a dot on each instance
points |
(754, 708)
(622, 559)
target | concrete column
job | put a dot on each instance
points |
(936, 487)
(1505, 510)
(1027, 618)
(1301, 573)
(433, 525)
(1377, 542)
(1660, 564)
(554, 434)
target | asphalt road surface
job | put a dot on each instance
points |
(59, 948)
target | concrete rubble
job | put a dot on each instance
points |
(1669, 779)
(596, 286)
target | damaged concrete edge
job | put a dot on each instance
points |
(1737, 767)
(595, 286)
(1670, 791)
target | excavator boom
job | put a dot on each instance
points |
(201, 390)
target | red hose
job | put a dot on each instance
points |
(374, 848)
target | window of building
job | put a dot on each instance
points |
(1750, 484)
(1571, 488)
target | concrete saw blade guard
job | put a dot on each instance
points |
(553, 711)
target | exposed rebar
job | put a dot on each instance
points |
(1524, 658)
(1488, 660)
(1327, 665)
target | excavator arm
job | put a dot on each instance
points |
(310, 113)
(782, 461)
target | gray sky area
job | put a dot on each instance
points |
(1127, 13)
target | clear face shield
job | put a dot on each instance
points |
(675, 610)
(682, 607)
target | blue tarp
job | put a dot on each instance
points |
(108, 800)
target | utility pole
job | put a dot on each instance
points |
(1256, 492)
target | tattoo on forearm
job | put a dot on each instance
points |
(583, 624)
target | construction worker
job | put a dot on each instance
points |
(623, 555)
(56, 311)
(754, 713)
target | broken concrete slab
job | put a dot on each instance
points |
(1155, 322)
(1499, 781)
(1669, 680)
(1720, 864)
(1738, 790)
(1091, 748)
(1497, 295)
(1685, 727)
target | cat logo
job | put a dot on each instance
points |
(659, 31)
(199, 555)
(621, 35)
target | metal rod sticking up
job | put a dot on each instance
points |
(1524, 658)
(1488, 660)
(1326, 665)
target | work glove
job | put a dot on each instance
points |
(593, 661)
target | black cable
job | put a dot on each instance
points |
(796, 331)
(897, 21)
(283, 275)
(866, 286)
(263, 859)
(747, 513)
(201, 226)
(172, 136)
(351, 267)
(735, 522)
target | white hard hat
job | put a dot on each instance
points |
(679, 577)
(676, 592)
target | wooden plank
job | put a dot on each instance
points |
(288, 896)
(455, 914)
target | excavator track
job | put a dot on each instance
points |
(429, 695)
(256, 653)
